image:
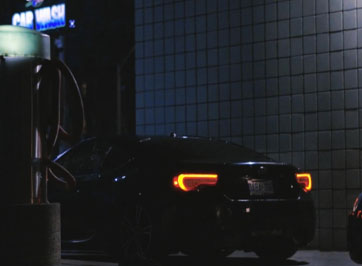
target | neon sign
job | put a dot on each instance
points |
(45, 18)
(34, 3)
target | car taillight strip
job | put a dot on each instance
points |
(304, 179)
(188, 182)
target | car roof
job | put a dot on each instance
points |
(190, 148)
(183, 148)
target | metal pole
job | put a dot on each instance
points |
(119, 100)
(30, 227)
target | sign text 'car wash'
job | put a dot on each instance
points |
(41, 19)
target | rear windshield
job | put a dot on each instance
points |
(198, 150)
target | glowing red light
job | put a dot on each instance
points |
(188, 182)
(305, 180)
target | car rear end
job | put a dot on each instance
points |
(269, 200)
(223, 196)
(247, 204)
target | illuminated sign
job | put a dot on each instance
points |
(72, 23)
(34, 3)
(24, 19)
(44, 18)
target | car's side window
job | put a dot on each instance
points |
(115, 161)
(86, 158)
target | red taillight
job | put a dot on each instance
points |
(305, 180)
(188, 182)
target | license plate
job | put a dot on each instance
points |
(260, 187)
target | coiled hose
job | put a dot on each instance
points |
(48, 113)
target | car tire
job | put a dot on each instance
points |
(276, 251)
(355, 255)
(133, 237)
(354, 239)
(209, 253)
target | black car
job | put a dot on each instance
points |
(354, 231)
(153, 196)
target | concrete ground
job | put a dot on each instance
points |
(238, 258)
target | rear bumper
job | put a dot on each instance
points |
(242, 224)
(292, 218)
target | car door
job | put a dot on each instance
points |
(79, 206)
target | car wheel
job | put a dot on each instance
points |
(135, 230)
(276, 251)
(354, 239)
(209, 253)
(355, 255)
(134, 235)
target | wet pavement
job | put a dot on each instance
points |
(238, 258)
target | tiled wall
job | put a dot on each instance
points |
(281, 77)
